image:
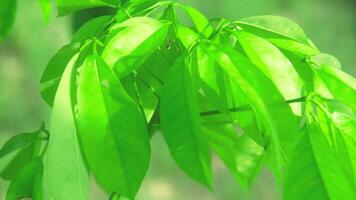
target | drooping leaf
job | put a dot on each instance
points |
(128, 46)
(54, 70)
(7, 16)
(241, 154)
(92, 28)
(185, 137)
(274, 25)
(16, 161)
(341, 85)
(280, 31)
(326, 59)
(315, 171)
(22, 184)
(67, 6)
(65, 170)
(112, 130)
(19, 141)
(201, 23)
(274, 64)
(263, 97)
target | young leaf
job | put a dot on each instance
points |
(128, 46)
(16, 162)
(274, 64)
(66, 174)
(241, 154)
(263, 97)
(341, 85)
(112, 130)
(92, 28)
(274, 25)
(67, 6)
(54, 70)
(22, 184)
(7, 16)
(201, 23)
(314, 171)
(19, 141)
(180, 123)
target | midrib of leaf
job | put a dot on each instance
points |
(119, 154)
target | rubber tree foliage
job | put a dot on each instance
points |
(257, 92)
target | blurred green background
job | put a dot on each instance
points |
(331, 24)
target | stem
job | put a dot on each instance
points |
(248, 108)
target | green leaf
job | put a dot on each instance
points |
(16, 161)
(46, 7)
(54, 70)
(180, 123)
(92, 28)
(280, 31)
(274, 64)
(18, 142)
(322, 59)
(341, 85)
(7, 16)
(128, 46)
(67, 6)
(37, 190)
(274, 26)
(22, 184)
(201, 23)
(315, 171)
(186, 35)
(241, 154)
(264, 98)
(117, 145)
(66, 174)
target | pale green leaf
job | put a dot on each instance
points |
(65, 170)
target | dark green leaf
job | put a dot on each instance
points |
(92, 28)
(54, 70)
(112, 130)
(22, 184)
(7, 16)
(19, 141)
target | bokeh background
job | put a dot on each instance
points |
(331, 24)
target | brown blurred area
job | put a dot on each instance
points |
(331, 24)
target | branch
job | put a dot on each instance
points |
(248, 108)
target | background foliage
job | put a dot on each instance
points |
(32, 42)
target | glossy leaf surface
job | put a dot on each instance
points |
(112, 130)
